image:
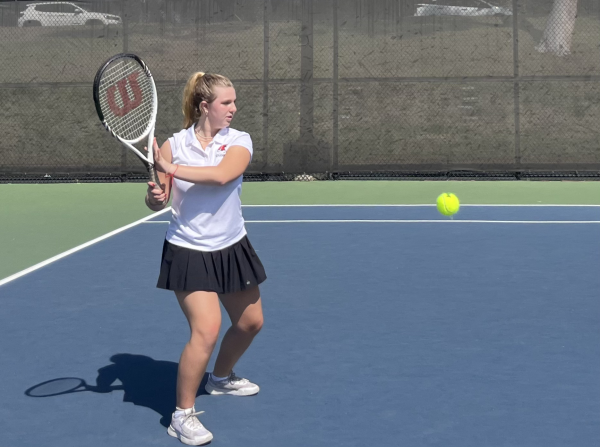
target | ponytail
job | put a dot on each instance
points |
(191, 112)
(200, 87)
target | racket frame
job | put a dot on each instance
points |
(149, 131)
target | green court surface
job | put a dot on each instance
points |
(41, 221)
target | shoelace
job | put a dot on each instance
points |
(191, 421)
(233, 378)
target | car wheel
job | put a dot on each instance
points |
(94, 23)
(32, 23)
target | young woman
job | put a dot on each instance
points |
(207, 255)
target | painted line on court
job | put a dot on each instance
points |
(79, 247)
(428, 205)
(147, 219)
(457, 221)
(557, 222)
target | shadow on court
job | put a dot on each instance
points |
(145, 382)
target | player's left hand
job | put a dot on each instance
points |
(160, 163)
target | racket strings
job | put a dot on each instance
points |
(132, 123)
(127, 117)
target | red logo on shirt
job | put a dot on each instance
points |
(222, 148)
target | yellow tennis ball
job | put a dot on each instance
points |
(448, 204)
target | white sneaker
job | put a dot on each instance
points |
(188, 429)
(234, 385)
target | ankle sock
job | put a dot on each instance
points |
(218, 379)
(181, 411)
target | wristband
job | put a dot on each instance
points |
(173, 175)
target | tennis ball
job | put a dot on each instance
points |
(448, 204)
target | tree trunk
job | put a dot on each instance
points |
(559, 28)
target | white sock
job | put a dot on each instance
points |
(218, 379)
(181, 411)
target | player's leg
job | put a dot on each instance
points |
(245, 311)
(203, 313)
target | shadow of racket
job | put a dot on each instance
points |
(66, 385)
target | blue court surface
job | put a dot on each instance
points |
(384, 326)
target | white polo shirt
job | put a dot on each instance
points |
(206, 217)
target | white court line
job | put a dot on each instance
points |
(147, 220)
(428, 205)
(429, 221)
(564, 222)
(79, 247)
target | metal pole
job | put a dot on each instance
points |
(266, 82)
(306, 73)
(125, 26)
(336, 97)
(125, 49)
(516, 85)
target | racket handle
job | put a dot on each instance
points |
(154, 176)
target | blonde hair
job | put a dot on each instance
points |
(200, 87)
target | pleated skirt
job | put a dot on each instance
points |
(232, 269)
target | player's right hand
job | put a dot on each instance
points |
(156, 196)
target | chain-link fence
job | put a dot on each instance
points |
(334, 88)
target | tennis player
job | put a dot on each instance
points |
(206, 254)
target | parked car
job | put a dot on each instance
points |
(63, 14)
(482, 8)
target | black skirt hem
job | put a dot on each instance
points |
(232, 269)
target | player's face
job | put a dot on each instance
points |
(222, 109)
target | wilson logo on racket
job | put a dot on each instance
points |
(128, 103)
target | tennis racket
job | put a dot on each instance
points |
(126, 102)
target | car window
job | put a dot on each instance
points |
(68, 8)
(56, 7)
(46, 8)
(463, 3)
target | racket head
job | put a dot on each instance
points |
(125, 98)
(56, 387)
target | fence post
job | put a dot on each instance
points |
(517, 84)
(336, 98)
(265, 113)
(306, 73)
(125, 21)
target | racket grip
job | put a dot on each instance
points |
(154, 176)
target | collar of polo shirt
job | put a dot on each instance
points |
(191, 140)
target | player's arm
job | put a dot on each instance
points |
(157, 199)
(234, 163)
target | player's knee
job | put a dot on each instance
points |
(205, 336)
(251, 326)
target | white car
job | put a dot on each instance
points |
(63, 14)
(445, 10)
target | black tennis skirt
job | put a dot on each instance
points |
(231, 269)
